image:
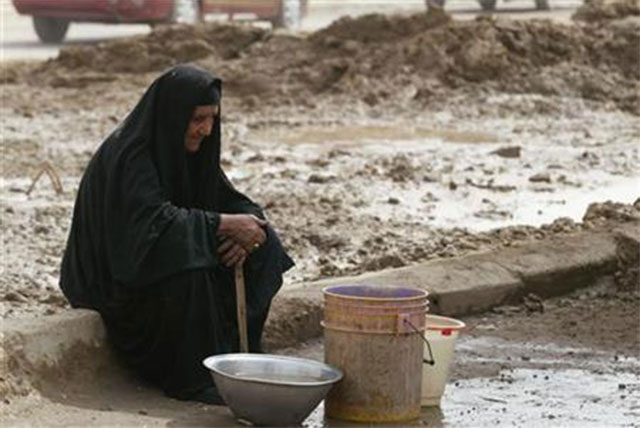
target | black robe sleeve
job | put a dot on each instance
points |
(152, 238)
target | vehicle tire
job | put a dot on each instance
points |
(50, 30)
(542, 5)
(437, 3)
(289, 15)
(186, 12)
(488, 5)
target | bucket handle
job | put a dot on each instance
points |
(431, 361)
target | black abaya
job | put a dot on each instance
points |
(142, 249)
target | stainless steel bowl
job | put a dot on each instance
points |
(271, 389)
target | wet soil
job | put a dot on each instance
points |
(363, 163)
(347, 198)
(379, 59)
(601, 10)
(377, 142)
(567, 361)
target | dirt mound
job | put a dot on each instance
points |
(598, 213)
(601, 10)
(165, 46)
(513, 56)
(376, 28)
(386, 59)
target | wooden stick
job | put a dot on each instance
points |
(241, 305)
(53, 176)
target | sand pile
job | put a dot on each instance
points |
(390, 59)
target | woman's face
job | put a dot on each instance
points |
(200, 126)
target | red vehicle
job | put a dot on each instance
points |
(51, 18)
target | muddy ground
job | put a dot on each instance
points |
(567, 361)
(377, 142)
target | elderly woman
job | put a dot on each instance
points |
(157, 230)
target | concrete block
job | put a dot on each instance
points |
(561, 264)
(37, 350)
(477, 282)
(456, 286)
(293, 319)
(74, 342)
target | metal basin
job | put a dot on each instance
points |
(271, 389)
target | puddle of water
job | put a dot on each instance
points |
(528, 397)
(544, 397)
(555, 386)
(475, 344)
(467, 186)
(573, 203)
(279, 377)
(356, 134)
(528, 206)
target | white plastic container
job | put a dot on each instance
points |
(441, 332)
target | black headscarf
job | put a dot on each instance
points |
(146, 208)
(159, 122)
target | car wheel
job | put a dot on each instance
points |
(289, 15)
(50, 30)
(488, 5)
(186, 12)
(542, 4)
(437, 3)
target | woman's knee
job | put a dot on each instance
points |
(273, 240)
(270, 248)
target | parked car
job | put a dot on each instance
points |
(490, 5)
(51, 18)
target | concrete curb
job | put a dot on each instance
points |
(470, 284)
(457, 286)
(35, 352)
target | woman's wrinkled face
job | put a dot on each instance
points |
(200, 126)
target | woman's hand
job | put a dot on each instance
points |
(243, 229)
(231, 253)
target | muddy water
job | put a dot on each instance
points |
(594, 392)
(451, 177)
(562, 397)
(350, 193)
(280, 377)
(544, 385)
(574, 362)
(530, 397)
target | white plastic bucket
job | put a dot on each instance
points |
(441, 333)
